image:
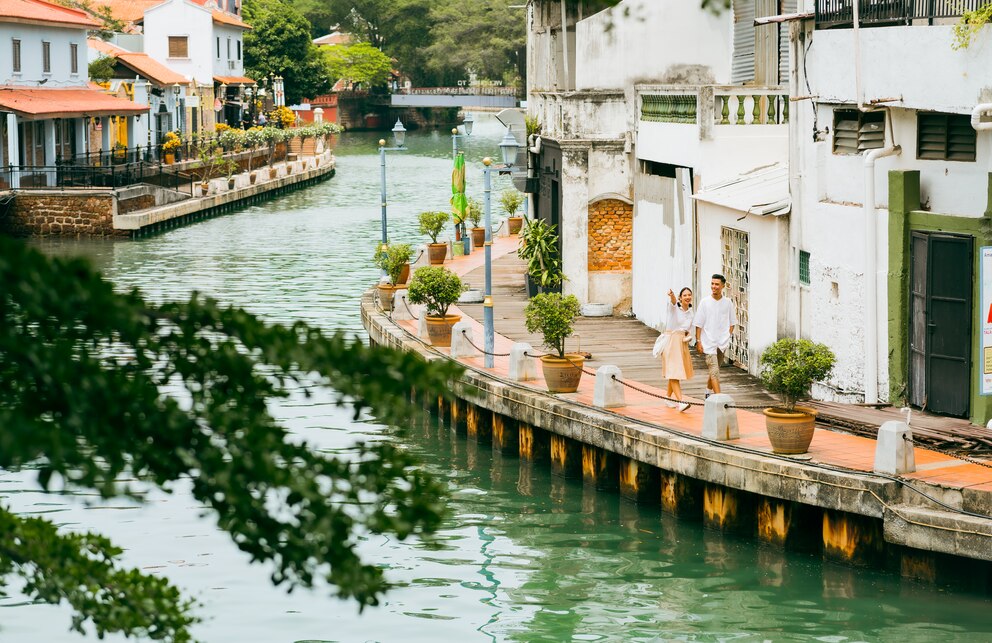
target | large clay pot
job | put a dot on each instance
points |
(252, 178)
(516, 223)
(562, 375)
(790, 432)
(404, 275)
(439, 329)
(436, 252)
(386, 297)
(204, 188)
(273, 172)
(478, 238)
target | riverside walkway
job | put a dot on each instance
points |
(835, 477)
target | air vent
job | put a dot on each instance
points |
(855, 132)
(945, 137)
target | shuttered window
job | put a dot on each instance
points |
(46, 57)
(17, 56)
(178, 47)
(855, 131)
(73, 58)
(788, 6)
(742, 66)
(945, 137)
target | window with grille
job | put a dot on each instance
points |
(804, 268)
(178, 47)
(46, 57)
(17, 56)
(218, 47)
(855, 131)
(239, 50)
(228, 48)
(74, 58)
(945, 137)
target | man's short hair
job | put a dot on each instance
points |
(722, 279)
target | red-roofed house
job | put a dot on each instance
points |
(46, 102)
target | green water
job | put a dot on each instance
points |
(525, 556)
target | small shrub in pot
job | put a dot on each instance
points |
(437, 288)
(789, 367)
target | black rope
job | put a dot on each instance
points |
(981, 463)
(482, 350)
(408, 309)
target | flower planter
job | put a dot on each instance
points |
(478, 237)
(790, 432)
(204, 188)
(562, 375)
(436, 252)
(386, 293)
(439, 329)
(404, 275)
(170, 158)
(515, 223)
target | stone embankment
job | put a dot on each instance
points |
(829, 502)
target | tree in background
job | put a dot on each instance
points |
(360, 63)
(99, 388)
(484, 37)
(101, 69)
(280, 44)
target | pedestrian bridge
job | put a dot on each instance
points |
(499, 97)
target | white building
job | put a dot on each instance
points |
(913, 219)
(46, 102)
(648, 109)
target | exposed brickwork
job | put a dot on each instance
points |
(610, 235)
(60, 213)
(137, 203)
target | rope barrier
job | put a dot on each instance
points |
(407, 305)
(964, 458)
(481, 350)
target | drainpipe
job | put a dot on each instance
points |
(976, 117)
(871, 270)
(857, 53)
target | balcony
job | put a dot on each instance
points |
(883, 13)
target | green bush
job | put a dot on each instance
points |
(474, 212)
(552, 315)
(539, 248)
(435, 287)
(510, 200)
(392, 258)
(789, 367)
(432, 222)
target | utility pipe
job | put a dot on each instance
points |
(871, 271)
(976, 117)
(857, 52)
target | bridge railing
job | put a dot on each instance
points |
(461, 91)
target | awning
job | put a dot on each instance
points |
(762, 191)
(233, 80)
(35, 102)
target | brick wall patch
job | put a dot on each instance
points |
(610, 236)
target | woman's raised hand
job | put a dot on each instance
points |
(671, 296)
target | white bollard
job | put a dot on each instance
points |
(450, 252)
(461, 340)
(503, 229)
(720, 418)
(894, 449)
(522, 367)
(422, 327)
(422, 260)
(401, 307)
(608, 393)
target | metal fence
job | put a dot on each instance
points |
(881, 13)
(61, 177)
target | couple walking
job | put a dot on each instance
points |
(714, 323)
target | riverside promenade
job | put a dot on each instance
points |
(923, 524)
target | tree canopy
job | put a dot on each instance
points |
(98, 386)
(360, 63)
(280, 44)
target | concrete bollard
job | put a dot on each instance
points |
(502, 228)
(522, 367)
(720, 418)
(422, 260)
(608, 393)
(894, 449)
(422, 327)
(450, 252)
(401, 307)
(461, 336)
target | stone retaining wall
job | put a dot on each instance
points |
(56, 212)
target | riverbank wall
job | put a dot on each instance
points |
(923, 531)
(142, 209)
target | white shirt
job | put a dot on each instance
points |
(677, 318)
(715, 318)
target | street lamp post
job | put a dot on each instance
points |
(399, 137)
(508, 149)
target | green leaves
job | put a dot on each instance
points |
(789, 367)
(552, 315)
(83, 372)
(360, 63)
(539, 248)
(435, 287)
(432, 222)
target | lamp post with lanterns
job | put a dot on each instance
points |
(399, 138)
(508, 150)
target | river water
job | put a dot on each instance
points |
(525, 556)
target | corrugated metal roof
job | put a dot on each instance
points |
(762, 191)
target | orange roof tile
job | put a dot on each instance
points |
(40, 12)
(141, 63)
(104, 47)
(64, 103)
(127, 10)
(229, 19)
(233, 80)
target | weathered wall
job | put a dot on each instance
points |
(45, 213)
(135, 203)
(610, 235)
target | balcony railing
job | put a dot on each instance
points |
(62, 177)
(717, 105)
(882, 13)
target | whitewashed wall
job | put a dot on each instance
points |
(31, 37)
(224, 65)
(182, 18)
(653, 251)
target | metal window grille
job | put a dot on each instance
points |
(804, 268)
(736, 268)
(218, 47)
(945, 137)
(17, 56)
(46, 57)
(74, 58)
(178, 47)
(855, 132)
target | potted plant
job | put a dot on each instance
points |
(473, 213)
(170, 144)
(210, 164)
(120, 152)
(431, 224)
(436, 288)
(230, 168)
(552, 315)
(394, 260)
(510, 201)
(789, 368)
(539, 248)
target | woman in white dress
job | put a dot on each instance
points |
(676, 363)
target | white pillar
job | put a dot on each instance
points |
(608, 392)
(82, 127)
(462, 339)
(105, 137)
(720, 418)
(13, 159)
(894, 449)
(522, 367)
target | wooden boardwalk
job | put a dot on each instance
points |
(627, 343)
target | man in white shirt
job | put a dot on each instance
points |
(714, 322)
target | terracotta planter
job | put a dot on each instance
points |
(204, 188)
(790, 432)
(252, 178)
(386, 297)
(404, 275)
(516, 223)
(562, 375)
(439, 329)
(273, 172)
(436, 252)
(478, 238)
(170, 158)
